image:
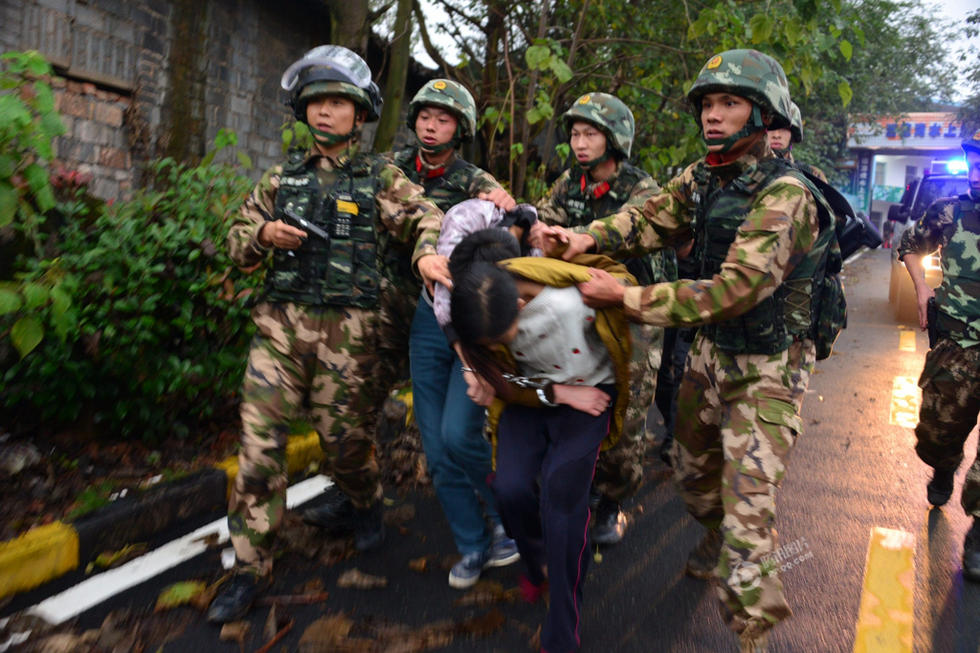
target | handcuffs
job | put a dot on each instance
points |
(545, 390)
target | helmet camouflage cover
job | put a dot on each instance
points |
(749, 74)
(972, 143)
(449, 95)
(608, 113)
(331, 70)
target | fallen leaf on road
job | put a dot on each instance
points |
(419, 565)
(400, 514)
(357, 579)
(483, 625)
(210, 540)
(109, 559)
(235, 631)
(487, 592)
(180, 593)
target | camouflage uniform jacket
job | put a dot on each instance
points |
(575, 201)
(813, 171)
(446, 185)
(777, 233)
(953, 224)
(403, 211)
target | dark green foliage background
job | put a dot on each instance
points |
(141, 316)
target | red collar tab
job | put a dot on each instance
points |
(583, 184)
(601, 189)
(431, 172)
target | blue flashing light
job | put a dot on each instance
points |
(956, 166)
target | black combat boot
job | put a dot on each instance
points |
(971, 553)
(235, 598)
(610, 522)
(335, 514)
(369, 527)
(940, 488)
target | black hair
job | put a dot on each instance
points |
(486, 245)
(483, 306)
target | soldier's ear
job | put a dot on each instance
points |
(360, 118)
(766, 117)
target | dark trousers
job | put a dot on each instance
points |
(545, 461)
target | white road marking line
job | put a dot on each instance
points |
(92, 591)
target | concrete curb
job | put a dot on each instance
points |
(47, 552)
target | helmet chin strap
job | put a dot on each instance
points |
(592, 163)
(329, 139)
(438, 149)
(751, 126)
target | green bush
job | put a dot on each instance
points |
(138, 317)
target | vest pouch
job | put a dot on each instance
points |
(832, 317)
(340, 271)
(366, 277)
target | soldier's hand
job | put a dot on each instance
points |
(577, 244)
(922, 299)
(434, 268)
(500, 197)
(280, 235)
(601, 290)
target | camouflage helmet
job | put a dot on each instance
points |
(795, 123)
(609, 114)
(331, 70)
(449, 95)
(749, 74)
(972, 143)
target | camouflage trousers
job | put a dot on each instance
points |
(950, 383)
(619, 472)
(301, 352)
(738, 416)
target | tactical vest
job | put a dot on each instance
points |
(446, 190)
(343, 271)
(582, 207)
(792, 311)
(960, 272)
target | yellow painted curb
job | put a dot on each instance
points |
(36, 557)
(301, 450)
(886, 616)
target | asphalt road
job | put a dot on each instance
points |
(852, 470)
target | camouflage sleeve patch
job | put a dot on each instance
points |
(642, 191)
(243, 245)
(551, 208)
(482, 182)
(407, 213)
(663, 219)
(776, 234)
(927, 233)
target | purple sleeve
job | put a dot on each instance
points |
(460, 221)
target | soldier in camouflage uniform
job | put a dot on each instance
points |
(757, 229)
(443, 115)
(602, 182)
(782, 141)
(950, 379)
(316, 318)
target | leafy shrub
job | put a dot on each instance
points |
(148, 311)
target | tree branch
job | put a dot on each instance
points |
(430, 49)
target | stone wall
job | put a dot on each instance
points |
(147, 78)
